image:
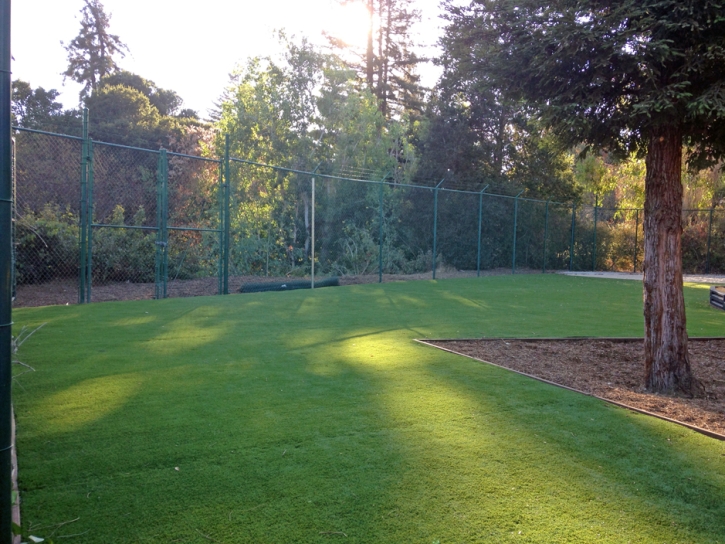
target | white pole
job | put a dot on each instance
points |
(313, 233)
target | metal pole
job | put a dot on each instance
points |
(6, 507)
(165, 224)
(159, 236)
(594, 248)
(89, 223)
(220, 266)
(82, 233)
(380, 250)
(709, 236)
(636, 241)
(546, 234)
(14, 211)
(312, 249)
(571, 244)
(435, 226)
(480, 225)
(516, 218)
(227, 182)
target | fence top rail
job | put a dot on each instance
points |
(383, 181)
(46, 133)
(185, 156)
(341, 178)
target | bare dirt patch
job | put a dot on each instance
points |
(613, 370)
(61, 292)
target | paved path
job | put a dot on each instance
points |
(712, 279)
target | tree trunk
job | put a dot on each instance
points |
(369, 52)
(667, 365)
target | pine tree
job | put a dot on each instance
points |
(91, 53)
(388, 66)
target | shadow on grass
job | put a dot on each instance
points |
(301, 416)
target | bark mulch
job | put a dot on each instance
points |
(611, 369)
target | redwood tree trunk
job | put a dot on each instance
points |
(667, 365)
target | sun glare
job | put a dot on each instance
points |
(349, 23)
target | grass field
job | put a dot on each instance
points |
(314, 417)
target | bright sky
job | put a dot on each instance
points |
(191, 51)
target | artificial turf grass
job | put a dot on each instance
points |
(294, 414)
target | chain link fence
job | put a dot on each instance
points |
(97, 221)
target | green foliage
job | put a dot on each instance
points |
(91, 53)
(39, 110)
(123, 254)
(605, 73)
(46, 245)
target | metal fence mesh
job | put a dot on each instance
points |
(159, 224)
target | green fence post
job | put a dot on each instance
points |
(312, 235)
(159, 237)
(571, 244)
(162, 231)
(546, 234)
(594, 244)
(6, 196)
(83, 219)
(636, 240)
(220, 264)
(227, 181)
(13, 219)
(435, 226)
(480, 226)
(380, 242)
(89, 222)
(516, 218)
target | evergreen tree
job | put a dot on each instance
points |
(91, 53)
(388, 65)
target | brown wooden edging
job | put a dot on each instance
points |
(700, 430)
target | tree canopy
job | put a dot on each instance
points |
(633, 76)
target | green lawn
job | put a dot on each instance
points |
(300, 416)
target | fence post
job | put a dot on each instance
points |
(571, 244)
(636, 240)
(480, 226)
(6, 312)
(13, 219)
(82, 232)
(435, 226)
(546, 234)
(594, 248)
(162, 234)
(89, 224)
(380, 242)
(709, 237)
(516, 220)
(227, 181)
(220, 265)
(312, 234)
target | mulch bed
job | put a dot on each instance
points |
(611, 369)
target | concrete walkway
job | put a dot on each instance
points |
(711, 279)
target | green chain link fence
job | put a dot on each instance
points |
(99, 221)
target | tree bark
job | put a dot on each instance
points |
(667, 365)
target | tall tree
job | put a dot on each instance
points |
(91, 53)
(640, 75)
(388, 65)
